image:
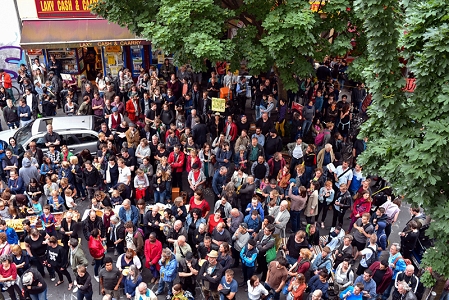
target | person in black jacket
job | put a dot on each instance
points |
(34, 284)
(91, 222)
(58, 260)
(273, 144)
(83, 283)
(117, 235)
(199, 132)
(92, 179)
(10, 115)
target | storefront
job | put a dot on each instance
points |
(86, 46)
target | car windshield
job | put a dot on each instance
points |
(23, 134)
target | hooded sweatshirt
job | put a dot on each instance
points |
(28, 171)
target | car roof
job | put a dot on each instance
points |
(63, 123)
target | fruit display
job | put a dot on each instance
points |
(15, 224)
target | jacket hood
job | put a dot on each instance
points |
(26, 162)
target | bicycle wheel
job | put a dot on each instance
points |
(16, 93)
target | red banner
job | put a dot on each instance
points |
(52, 9)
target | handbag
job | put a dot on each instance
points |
(270, 255)
(225, 291)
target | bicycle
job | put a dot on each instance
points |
(16, 93)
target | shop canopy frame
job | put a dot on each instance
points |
(75, 33)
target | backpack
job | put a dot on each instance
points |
(319, 139)
(140, 230)
(372, 258)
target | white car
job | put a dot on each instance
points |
(77, 132)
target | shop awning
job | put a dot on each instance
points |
(50, 34)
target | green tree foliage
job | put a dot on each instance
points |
(409, 132)
(285, 35)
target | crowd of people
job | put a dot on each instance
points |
(201, 199)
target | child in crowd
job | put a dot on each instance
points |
(48, 221)
(69, 199)
(116, 199)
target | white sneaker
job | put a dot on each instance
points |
(75, 289)
(53, 279)
(97, 279)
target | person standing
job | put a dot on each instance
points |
(84, 284)
(34, 284)
(276, 276)
(57, 259)
(169, 270)
(248, 254)
(188, 271)
(6, 83)
(110, 279)
(210, 275)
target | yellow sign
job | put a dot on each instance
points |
(316, 6)
(218, 104)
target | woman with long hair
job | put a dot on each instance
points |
(224, 256)
(296, 287)
(207, 167)
(255, 289)
(193, 221)
(361, 205)
(132, 281)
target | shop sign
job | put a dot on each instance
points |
(34, 52)
(114, 43)
(51, 9)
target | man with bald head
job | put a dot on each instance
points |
(177, 231)
(220, 234)
(180, 248)
(234, 220)
(144, 293)
(408, 276)
(129, 212)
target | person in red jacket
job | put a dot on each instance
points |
(6, 82)
(176, 161)
(361, 205)
(382, 281)
(133, 108)
(96, 249)
(276, 163)
(230, 130)
(153, 253)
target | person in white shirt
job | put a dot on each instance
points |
(343, 174)
(124, 175)
(255, 289)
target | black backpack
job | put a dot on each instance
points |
(372, 258)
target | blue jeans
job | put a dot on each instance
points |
(161, 287)
(80, 295)
(40, 296)
(291, 260)
(98, 264)
(273, 295)
(257, 112)
(13, 124)
(387, 292)
(159, 197)
(295, 218)
(168, 190)
(305, 127)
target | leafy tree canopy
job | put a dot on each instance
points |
(409, 132)
(275, 33)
